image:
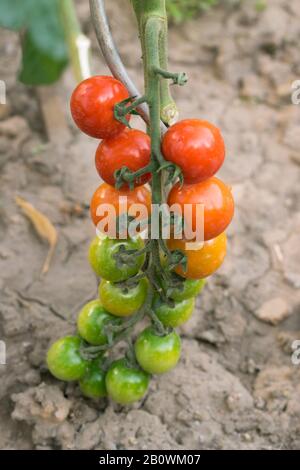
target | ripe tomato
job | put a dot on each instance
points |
(204, 261)
(131, 148)
(91, 321)
(188, 288)
(92, 384)
(196, 146)
(123, 301)
(216, 198)
(176, 314)
(157, 354)
(101, 257)
(108, 203)
(64, 360)
(126, 384)
(92, 106)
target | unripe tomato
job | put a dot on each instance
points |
(176, 314)
(216, 198)
(92, 106)
(64, 360)
(91, 321)
(92, 384)
(129, 149)
(196, 146)
(101, 258)
(204, 261)
(157, 354)
(123, 301)
(126, 384)
(189, 288)
(120, 202)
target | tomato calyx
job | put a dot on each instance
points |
(125, 175)
(127, 257)
(158, 328)
(127, 106)
(174, 172)
(115, 332)
(177, 258)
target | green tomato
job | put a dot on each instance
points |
(126, 384)
(91, 321)
(64, 360)
(123, 301)
(92, 383)
(157, 354)
(101, 258)
(190, 288)
(173, 315)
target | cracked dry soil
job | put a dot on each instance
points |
(235, 386)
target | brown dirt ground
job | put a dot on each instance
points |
(235, 386)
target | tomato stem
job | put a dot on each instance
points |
(152, 22)
(123, 108)
(178, 78)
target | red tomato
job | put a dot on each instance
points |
(196, 146)
(92, 106)
(201, 262)
(106, 194)
(131, 148)
(216, 198)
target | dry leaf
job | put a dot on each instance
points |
(44, 228)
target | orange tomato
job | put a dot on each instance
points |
(201, 262)
(217, 201)
(108, 203)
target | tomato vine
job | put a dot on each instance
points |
(158, 278)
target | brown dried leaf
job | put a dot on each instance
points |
(44, 228)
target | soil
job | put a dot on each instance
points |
(235, 386)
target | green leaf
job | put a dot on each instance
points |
(15, 13)
(38, 67)
(46, 28)
(44, 49)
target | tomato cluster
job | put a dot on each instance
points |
(197, 148)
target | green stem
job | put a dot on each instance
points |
(177, 78)
(168, 112)
(152, 20)
(123, 108)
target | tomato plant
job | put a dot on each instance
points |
(157, 354)
(91, 322)
(201, 262)
(64, 359)
(123, 300)
(184, 288)
(130, 149)
(196, 146)
(145, 277)
(103, 258)
(217, 201)
(174, 314)
(92, 106)
(92, 384)
(126, 384)
(109, 199)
